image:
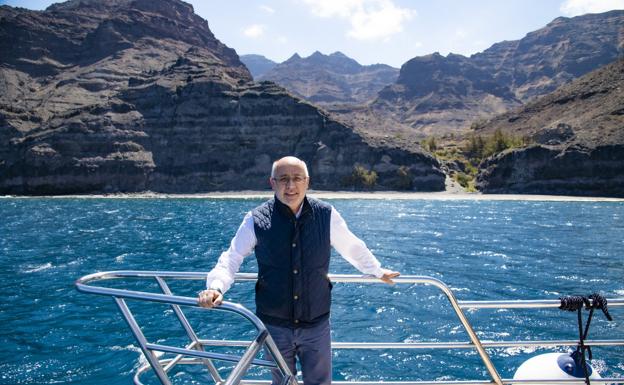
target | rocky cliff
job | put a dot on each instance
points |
(258, 65)
(330, 79)
(135, 95)
(565, 49)
(578, 140)
(436, 95)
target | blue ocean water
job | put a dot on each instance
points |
(482, 249)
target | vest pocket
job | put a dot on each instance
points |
(319, 295)
(272, 293)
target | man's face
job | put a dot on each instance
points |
(290, 184)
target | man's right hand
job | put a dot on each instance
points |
(210, 298)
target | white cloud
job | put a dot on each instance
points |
(254, 31)
(282, 39)
(460, 34)
(267, 9)
(580, 7)
(368, 19)
(333, 8)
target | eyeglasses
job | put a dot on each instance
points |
(297, 179)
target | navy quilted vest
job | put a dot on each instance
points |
(293, 261)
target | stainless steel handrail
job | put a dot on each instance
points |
(82, 282)
(439, 345)
(161, 367)
(506, 381)
(196, 348)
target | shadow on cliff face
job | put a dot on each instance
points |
(207, 136)
(543, 170)
(73, 160)
(140, 95)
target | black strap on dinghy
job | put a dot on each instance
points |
(576, 303)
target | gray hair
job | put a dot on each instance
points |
(289, 159)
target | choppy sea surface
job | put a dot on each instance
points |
(482, 249)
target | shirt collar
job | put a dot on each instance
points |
(298, 213)
(285, 209)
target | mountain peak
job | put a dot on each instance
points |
(258, 65)
(294, 57)
(317, 54)
(337, 62)
(104, 29)
(174, 9)
(73, 5)
(327, 79)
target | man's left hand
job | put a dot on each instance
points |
(388, 275)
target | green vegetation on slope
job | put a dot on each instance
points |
(462, 156)
(361, 178)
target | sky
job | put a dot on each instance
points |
(374, 31)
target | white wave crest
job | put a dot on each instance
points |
(36, 268)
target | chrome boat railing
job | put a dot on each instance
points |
(199, 356)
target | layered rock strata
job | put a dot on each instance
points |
(436, 95)
(578, 141)
(332, 79)
(124, 96)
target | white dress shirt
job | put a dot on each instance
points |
(342, 239)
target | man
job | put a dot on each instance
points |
(292, 237)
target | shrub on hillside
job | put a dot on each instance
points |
(479, 147)
(361, 178)
(404, 179)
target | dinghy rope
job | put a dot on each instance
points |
(576, 303)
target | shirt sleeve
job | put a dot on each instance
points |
(352, 248)
(221, 276)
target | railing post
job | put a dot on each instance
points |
(189, 331)
(138, 334)
(471, 333)
(241, 368)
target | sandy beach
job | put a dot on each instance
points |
(381, 195)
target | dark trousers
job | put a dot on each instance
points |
(312, 346)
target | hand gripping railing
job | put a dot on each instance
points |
(196, 347)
